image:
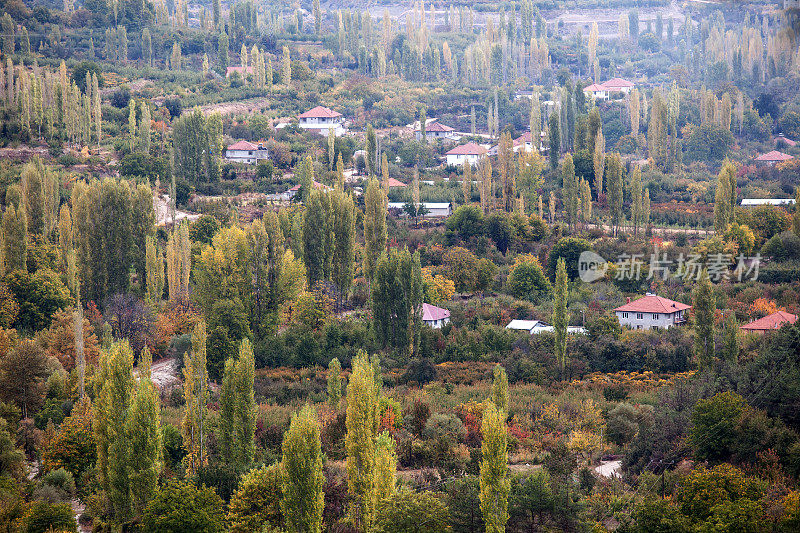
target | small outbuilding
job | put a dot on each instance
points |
(770, 322)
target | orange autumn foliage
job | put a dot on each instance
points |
(59, 340)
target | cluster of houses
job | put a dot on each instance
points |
(653, 312)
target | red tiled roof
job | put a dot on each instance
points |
(787, 140)
(773, 321)
(320, 112)
(431, 312)
(467, 149)
(438, 127)
(774, 156)
(653, 304)
(243, 145)
(616, 83)
(595, 87)
(396, 183)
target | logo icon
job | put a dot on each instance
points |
(591, 267)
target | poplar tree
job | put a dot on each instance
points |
(334, 382)
(704, 306)
(227, 410)
(560, 315)
(499, 394)
(375, 232)
(599, 160)
(331, 148)
(317, 224)
(570, 189)
(344, 230)
(615, 193)
(725, 198)
(286, 67)
(371, 149)
(132, 123)
(303, 481)
(636, 199)
(195, 392)
(144, 128)
(15, 239)
(362, 423)
(179, 263)
(147, 47)
(144, 430)
(495, 484)
(731, 338)
(246, 409)
(112, 417)
(466, 182)
(155, 270)
(554, 136)
(222, 53)
(385, 467)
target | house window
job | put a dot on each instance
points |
(250, 152)
(624, 315)
(655, 316)
(639, 316)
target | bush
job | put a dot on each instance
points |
(255, 503)
(621, 426)
(442, 426)
(45, 517)
(181, 507)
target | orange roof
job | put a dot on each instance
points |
(594, 88)
(774, 156)
(467, 149)
(437, 126)
(320, 112)
(773, 321)
(787, 140)
(396, 183)
(240, 70)
(616, 83)
(243, 145)
(653, 304)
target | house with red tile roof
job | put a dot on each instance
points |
(246, 152)
(239, 70)
(770, 158)
(321, 120)
(770, 322)
(395, 183)
(781, 138)
(597, 91)
(618, 85)
(436, 130)
(470, 152)
(435, 317)
(652, 312)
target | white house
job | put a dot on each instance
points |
(597, 91)
(618, 85)
(534, 327)
(321, 120)
(435, 317)
(436, 130)
(433, 209)
(246, 152)
(750, 202)
(470, 152)
(652, 312)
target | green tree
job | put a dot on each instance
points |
(343, 253)
(725, 198)
(615, 195)
(499, 395)
(22, 374)
(301, 471)
(407, 510)
(222, 52)
(334, 382)
(554, 137)
(713, 432)
(15, 239)
(375, 233)
(371, 150)
(144, 430)
(494, 481)
(181, 507)
(112, 419)
(527, 280)
(397, 300)
(704, 306)
(731, 338)
(362, 423)
(570, 189)
(636, 199)
(385, 467)
(286, 67)
(254, 504)
(195, 392)
(155, 270)
(317, 230)
(560, 315)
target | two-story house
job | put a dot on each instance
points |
(652, 312)
(246, 152)
(322, 120)
(469, 152)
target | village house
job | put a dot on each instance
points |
(652, 312)
(769, 322)
(240, 71)
(246, 152)
(436, 130)
(432, 209)
(602, 91)
(597, 91)
(322, 120)
(391, 182)
(751, 202)
(770, 158)
(435, 317)
(534, 327)
(469, 152)
(291, 193)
